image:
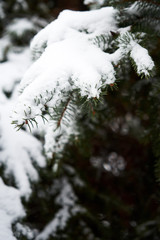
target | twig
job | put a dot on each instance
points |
(62, 114)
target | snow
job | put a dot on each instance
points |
(71, 24)
(142, 60)
(67, 200)
(13, 70)
(88, 74)
(10, 209)
(24, 230)
(134, 8)
(57, 138)
(94, 4)
(19, 26)
(130, 46)
(71, 55)
(68, 61)
(93, 1)
(19, 163)
(19, 150)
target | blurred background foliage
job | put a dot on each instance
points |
(114, 167)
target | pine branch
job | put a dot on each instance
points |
(63, 112)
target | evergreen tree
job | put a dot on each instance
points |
(95, 178)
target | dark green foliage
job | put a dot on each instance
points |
(121, 196)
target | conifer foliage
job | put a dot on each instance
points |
(85, 103)
(74, 64)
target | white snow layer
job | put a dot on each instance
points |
(140, 56)
(10, 209)
(67, 200)
(12, 70)
(70, 56)
(56, 138)
(18, 149)
(134, 8)
(100, 2)
(94, 4)
(70, 60)
(20, 26)
(73, 25)
(57, 70)
(142, 59)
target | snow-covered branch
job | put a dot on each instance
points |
(72, 56)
